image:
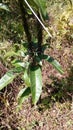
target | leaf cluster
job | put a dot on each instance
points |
(29, 58)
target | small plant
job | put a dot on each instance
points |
(29, 63)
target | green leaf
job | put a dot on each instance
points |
(9, 76)
(26, 78)
(38, 5)
(4, 7)
(55, 63)
(45, 46)
(23, 94)
(32, 4)
(19, 63)
(17, 70)
(6, 79)
(42, 8)
(36, 82)
(10, 53)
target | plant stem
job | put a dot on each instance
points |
(37, 18)
(26, 26)
(25, 22)
(39, 36)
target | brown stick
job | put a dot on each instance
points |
(25, 22)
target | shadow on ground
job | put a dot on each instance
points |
(60, 90)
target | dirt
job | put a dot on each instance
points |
(55, 110)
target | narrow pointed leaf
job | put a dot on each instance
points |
(23, 94)
(6, 79)
(52, 61)
(36, 82)
(9, 76)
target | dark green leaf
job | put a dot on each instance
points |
(45, 46)
(23, 94)
(36, 82)
(51, 60)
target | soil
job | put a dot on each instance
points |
(55, 109)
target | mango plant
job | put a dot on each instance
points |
(32, 54)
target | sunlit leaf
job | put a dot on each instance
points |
(36, 82)
(21, 64)
(18, 63)
(9, 76)
(10, 53)
(26, 78)
(17, 70)
(4, 7)
(6, 79)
